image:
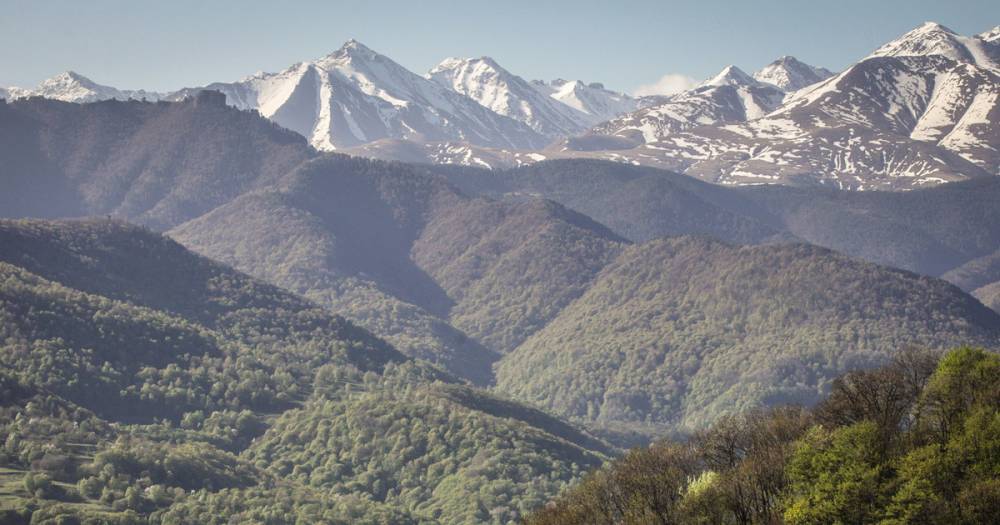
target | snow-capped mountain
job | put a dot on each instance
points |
(991, 36)
(923, 109)
(354, 96)
(731, 96)
(483, 80)
(74, 87)
(790, 74)
(935, 39)
(593, 99)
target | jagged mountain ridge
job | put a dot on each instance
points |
(921, 110)
(355, 95)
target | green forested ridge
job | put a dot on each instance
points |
(511, 267)
(680, 331)
(339, 232)
(912, 442)
(441, 276)
(417, 447)
(190, 405)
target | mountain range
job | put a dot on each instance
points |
(464, 267)
(920, 110)
(207, 316)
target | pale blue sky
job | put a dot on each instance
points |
(170, 44)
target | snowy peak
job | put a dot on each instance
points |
(790, 74)
(932, 38)
(452, 71)
(503, 92)
(353, 50)
(593, 100)
(355, 96)
(71, 86)
(555, 110)
(730, 76)
(991, 36)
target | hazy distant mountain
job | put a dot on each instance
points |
(158, 164)
(454, 280)
(74, 87)
(355, 95)
(789, 74)
(929, 231)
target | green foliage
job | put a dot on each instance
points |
(834, 465)
(836, 476)
(208, 397)
(207, 338)
(413, 446)
(285, 504)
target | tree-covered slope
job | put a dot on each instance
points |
(395, 248)
(338, 231)
(158, 164)
(142, 383)
(980, 277)
(915, 441)
(929, 231)
(448, 452)
(510, 267)
(99, 310)
(678, 331)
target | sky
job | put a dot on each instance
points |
(629, 45)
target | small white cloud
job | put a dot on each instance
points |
(667, 85)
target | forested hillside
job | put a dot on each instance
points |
(917, 441)
(144, 383)
(678, 332)
(443, 277)
(469, 269)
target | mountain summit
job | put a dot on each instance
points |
(932, 38)
(730, 76)
(791, 74)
